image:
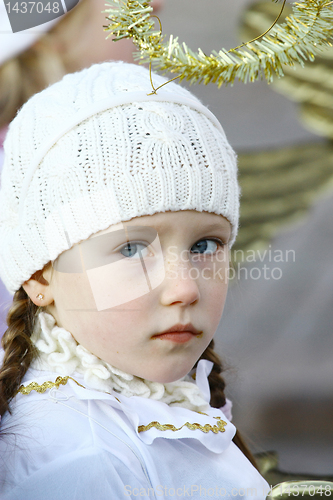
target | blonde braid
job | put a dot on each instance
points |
(19, 350)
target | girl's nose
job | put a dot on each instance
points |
(180, 285)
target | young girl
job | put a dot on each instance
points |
(117, 212)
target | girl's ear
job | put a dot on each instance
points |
(38, 289)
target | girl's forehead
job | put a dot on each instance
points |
(164, 221)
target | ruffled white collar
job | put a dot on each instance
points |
(59, 352)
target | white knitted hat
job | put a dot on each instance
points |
(93, 150)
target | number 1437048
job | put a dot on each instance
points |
(31, 7)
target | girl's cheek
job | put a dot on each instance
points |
(214, 286)
(73, 293)
(215, 308)
(122, 282)
(213, 271)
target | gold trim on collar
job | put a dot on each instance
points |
(220, 427)
(46, 385)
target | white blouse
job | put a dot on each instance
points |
(66, 440)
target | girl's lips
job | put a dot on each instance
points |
(180, 328)
(179, 333)
(178, 337)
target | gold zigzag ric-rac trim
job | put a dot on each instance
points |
(220, 427)
(46, 385)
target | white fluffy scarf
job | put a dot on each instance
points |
(59, 352)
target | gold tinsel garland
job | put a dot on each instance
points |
(304, 33)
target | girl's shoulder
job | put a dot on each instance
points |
(56, 431)
(58, 406)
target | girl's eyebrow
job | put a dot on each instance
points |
(161, 227)
(214, 226)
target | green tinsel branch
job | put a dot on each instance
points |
(304, 33)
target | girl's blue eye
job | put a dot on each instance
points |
(133, 248)
(206, 246)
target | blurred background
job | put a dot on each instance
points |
(276, 332)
